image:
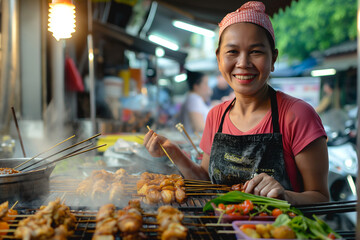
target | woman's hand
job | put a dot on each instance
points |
(265, 185)
(152, 143)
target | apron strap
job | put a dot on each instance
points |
(223, 116)
(274, 112)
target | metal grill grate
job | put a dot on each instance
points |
(194, 220)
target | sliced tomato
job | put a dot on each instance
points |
(276, 212)
(291, 214)
(234, 214)
(221, 206)
(229, 209)
(331, 236)
(247, 206)
(238, 209)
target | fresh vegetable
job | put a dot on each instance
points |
(237, 196)
(249, 204)
(276, 212)
(221, 206)
(306, 228)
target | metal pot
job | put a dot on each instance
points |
(23, 186)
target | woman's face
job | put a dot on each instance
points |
(245, 58)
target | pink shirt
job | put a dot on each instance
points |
(299, 126)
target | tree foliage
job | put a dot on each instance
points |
(311, 25)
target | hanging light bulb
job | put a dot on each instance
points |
(61, 19)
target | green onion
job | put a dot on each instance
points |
(237, 197)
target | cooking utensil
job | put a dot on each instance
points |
(18, 131)
(24, 186)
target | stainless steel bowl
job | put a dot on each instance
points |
(23, 186)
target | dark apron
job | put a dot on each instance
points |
(235, 159)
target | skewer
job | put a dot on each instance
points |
(226, 232)
(36, 170)
(204, 189)
(204, 194)
(218, 224)
(74, 145)
(18, 131)
(205, 185)
(72, 154)
(181, 128)
(185, 216)
(188, 194)
(167, 155)
(44, 151)
(14, 205)
(55, 154)
(7, 231)
(195, 180)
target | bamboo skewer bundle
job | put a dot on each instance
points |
(68, 155)
(43, 152)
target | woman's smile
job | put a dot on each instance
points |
(244, 78)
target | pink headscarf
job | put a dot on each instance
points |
(251, 12)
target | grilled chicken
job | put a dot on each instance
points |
(159, 187)
(175, 231)
(169, 220)
(127, 221)
(180, 195)
(100, 187)
(167, 196)
(116, 191)
(54, 221)
(4, 207)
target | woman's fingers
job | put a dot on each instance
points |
(147, 137)
(264, 185)
(152, 143)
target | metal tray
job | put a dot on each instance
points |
(23, 186)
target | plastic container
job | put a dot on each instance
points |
(231, 218)
(241, 235)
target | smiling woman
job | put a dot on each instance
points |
(271, 142)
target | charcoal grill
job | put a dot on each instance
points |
(195, 219)
(197, 228)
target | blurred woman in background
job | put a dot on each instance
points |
(195, 108)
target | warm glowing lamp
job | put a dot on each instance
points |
(61, 18)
